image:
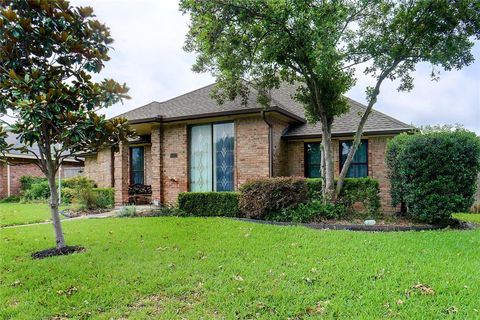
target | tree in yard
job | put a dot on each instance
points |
(48, 51)
(318, 44)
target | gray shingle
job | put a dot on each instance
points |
(199, 102)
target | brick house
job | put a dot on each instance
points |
(20, 164)
(190, 143)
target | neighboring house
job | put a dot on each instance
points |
(191, 143)
(19, 165)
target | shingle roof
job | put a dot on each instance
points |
(199, 103)
(13, 140)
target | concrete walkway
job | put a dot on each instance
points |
(108, 214)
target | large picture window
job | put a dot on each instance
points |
(137, 165)
(312, 160)
(359, 166)
(211, 158)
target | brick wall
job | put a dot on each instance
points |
(296, 159)
(251, 149)
(174, 171)
(99, 168)
(18, 169)
(377, 169)
(280, 150)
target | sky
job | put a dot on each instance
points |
(148, 56)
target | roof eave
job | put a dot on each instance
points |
(343, 134)
(160, 119)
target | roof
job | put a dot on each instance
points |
(200, 104)
(13, 139)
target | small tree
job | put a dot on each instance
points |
(48, 51)
(318, 44)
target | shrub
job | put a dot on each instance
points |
(27, 181)
(209, 203)
(105, 197)
(259, 198)
(78, 182)
(127, 211)
(365, 191)
(10, 199)
(85, 199)
(434, 173)
(355, 190)
(166, 210)
(67, 195)
(37, 191)
(311, 211)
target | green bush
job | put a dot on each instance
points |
(209, 203)
(105, 197)
(314, 210)
(259, 198)
(11, 199)
(67, 195)
(27, 181)
(78, 182)
(434, 174)
(363, 191)
(37, 191)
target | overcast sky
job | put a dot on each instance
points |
(148, 56)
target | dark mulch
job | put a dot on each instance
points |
(361, 227)
(52, 252)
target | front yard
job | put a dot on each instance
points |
(23, 213)
(222, 268)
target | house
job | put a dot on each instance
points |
(20, 164)
(191, 143)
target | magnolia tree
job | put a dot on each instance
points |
(48, 53)
(319, 44)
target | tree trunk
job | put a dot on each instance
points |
(59, 238)
(358, 134)
(328, 190)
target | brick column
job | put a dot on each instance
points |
(156, 168)
(121, 175)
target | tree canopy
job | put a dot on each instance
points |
(49, 51)
(319, 44)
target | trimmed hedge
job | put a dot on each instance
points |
(263, 197)
(209, 203)
(434, 174)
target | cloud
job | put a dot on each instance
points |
(148, 56)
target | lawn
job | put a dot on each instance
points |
(20, 213)
(141, 268)
(470, 217)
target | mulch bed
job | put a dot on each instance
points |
(362, 227)
(57, 252)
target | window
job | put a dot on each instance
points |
(312, 160)
(359, 166)
(211, 157)
(137, 165)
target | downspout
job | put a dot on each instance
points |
(8, 181)
(270, 143)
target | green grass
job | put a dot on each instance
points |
(470, 217)
(23, 213)
(193, 268)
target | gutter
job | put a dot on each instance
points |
(160, 119)
(346, 134)
(270, 143)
